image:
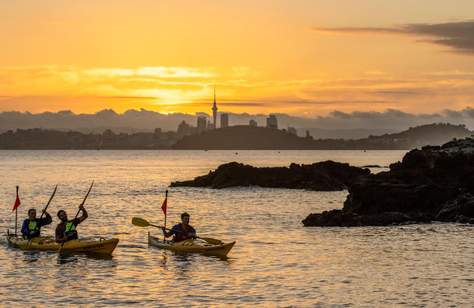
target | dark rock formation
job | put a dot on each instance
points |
(337, 218)
(322, 176)
(434, 183)
(460, 209)
(372, 166)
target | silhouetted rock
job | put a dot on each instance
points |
(460, 209)
(338, 218)
(434, 183)
(322, 176)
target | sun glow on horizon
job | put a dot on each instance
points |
(265, 56)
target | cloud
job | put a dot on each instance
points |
(54, 88)
(459, 36)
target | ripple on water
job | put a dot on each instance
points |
(275, 262)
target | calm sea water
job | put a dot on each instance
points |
(276, 261)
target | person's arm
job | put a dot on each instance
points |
(59, 234)
(47, 220)
(166, 233)
(83, 216)
(192, 232)
(24, 228)
(169, 233)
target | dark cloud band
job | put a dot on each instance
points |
(457, 35)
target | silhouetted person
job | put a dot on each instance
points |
(181, 231)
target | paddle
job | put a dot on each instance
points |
(140, 222)
(49, 202)
(84, 201)
(78, 211)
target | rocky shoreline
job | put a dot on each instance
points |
(322, 176)
(435, 183)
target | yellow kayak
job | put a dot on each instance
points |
(95, 246)
(192, 246)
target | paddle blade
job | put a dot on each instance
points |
(140, 222)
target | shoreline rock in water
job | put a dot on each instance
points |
(322, 176)
(435, 183)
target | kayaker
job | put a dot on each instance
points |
(66, 230)
(32, 226)
(181, 231)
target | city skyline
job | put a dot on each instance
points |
(303, 58)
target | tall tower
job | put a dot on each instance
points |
(214, 109)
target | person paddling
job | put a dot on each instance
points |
(66, 230)
(181, 231)
(31, 227)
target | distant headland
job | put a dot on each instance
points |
(210, 133)
(228, 138)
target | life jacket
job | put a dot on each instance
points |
(182, 234)
(33, 228)
(70, 230)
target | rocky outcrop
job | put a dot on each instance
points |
(434, 183)
(338, 218)
(460, 209)
(322, 176)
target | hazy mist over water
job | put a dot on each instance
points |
(276, 261)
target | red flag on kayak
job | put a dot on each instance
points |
(164, 206)
(17, 201)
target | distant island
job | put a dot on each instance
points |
(242, 137)
(263, 138)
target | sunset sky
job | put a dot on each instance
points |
(301, 57)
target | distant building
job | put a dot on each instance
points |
(201, 124)
(210, 125)
(292, 131)
(214, 110)
(224, 120)
(184, 129)
(253, 123)
(308, 136)
(272, 121)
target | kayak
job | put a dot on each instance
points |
(94, 246)
(192, 246)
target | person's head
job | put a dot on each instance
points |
(32, 214)
(62, 215)
(185, 218)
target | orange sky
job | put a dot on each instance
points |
(305, 57)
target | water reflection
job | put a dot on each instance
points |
(276, 261)
(64, 258)
(31, 256)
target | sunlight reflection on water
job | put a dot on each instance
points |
(275, 261)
